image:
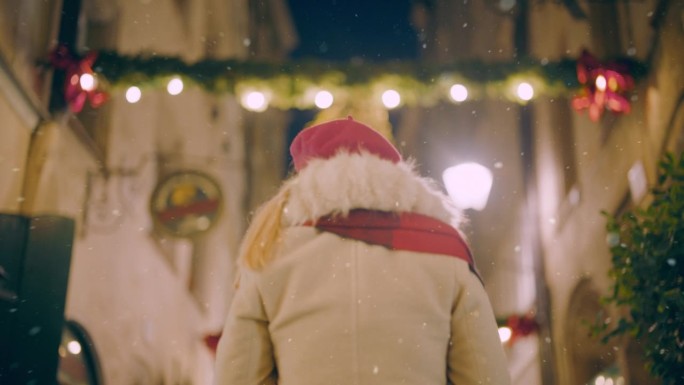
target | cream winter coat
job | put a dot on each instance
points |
(329, 310)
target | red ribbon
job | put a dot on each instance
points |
(609, 97)
(74, 67)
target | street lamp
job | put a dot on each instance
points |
(468, 185)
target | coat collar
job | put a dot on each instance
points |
(350, 181)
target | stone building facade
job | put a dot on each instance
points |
(147, 302)
(541, 240)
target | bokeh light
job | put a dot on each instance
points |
(175, 86)
(254, 101)
(323, 99)
(458, 93)
(391, 99)
(525, 91)
(88, 82)
(133, 94)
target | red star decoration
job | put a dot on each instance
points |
(75, 67)
(604, 87)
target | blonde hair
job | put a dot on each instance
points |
(263, 234)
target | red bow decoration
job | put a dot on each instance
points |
(520, 325)
(75, 67)
(603, 86)
(212, 340)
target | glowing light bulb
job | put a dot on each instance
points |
(505, 334)
(175, 86)
(74, 347)
(323, 99)
(133, 94)
(458, 93)
(391, 99)
(601, 83)
(525, 91)
(255, 101)
(88, 82)
(468, 185)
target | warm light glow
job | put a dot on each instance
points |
(600, 380)
(613, 83)
(458, 93)
(525, 91)
(323, 99)
(391, 99)
(505, 334)
(468, 185)
(74, 347)
(175, 86)
(133, 94)
(88, 82)
(601, 83)
(255, 101)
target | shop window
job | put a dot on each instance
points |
(78, 362)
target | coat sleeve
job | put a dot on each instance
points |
(245, 353)
(475, 353)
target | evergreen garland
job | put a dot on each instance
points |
(418, 83)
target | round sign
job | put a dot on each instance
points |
(186, 203)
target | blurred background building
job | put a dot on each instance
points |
(119, 223)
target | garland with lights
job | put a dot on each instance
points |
(294, 84)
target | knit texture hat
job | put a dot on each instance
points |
(325, 140)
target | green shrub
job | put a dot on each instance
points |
(647, 247)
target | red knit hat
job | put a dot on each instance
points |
(325, 140)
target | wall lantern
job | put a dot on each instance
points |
(468, 185)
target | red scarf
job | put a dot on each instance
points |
(399, 231)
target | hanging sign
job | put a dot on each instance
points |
(185, 204)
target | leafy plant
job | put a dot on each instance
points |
(647, 247)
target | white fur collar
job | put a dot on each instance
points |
(348, 181)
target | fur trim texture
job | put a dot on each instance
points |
(349, 181)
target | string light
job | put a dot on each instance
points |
(525, 91)
(458, 93)
(175, 86)
(88, 82)
(133, 94)
(391, 99)
(601, 83)
(74, 347)
(323, 99)
(254, 101)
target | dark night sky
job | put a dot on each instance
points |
(341, 30)
(373, 30)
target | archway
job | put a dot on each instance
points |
(588, 356)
